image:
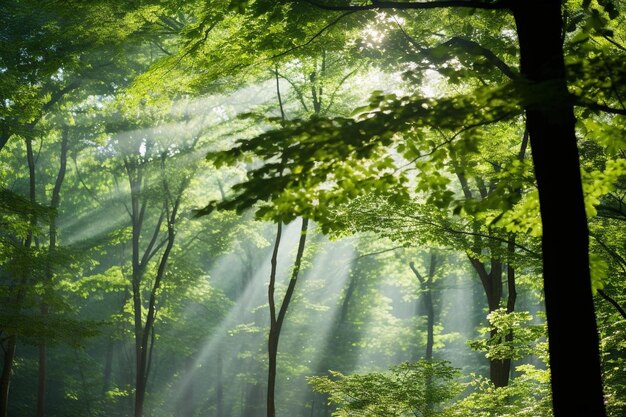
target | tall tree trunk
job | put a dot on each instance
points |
(491, 281)
(136, 217)
(5, 134)
(44, 310)
(277, 320)
(140, 387)
(272, 343)
(427, 286)
(430, 308)
(5, 379)
(567, 283)
(511, 299)
(11, 344)
(426, 283)
(144, 331)
(499, 370)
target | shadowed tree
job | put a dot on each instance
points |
(549, 109)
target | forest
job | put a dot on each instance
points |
(313, 208)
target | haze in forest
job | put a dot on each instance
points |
(312, 208)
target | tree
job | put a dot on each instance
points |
(549, 108)
(140, 154)
(434, 160)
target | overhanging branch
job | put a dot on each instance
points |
(598, 107)
(318, 34)
(441, 4)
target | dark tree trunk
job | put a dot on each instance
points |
(427, 296)
(272, 344)
(11, 343)
(140, 392)
(5, 379)
(427, 286)
(137, 211)
(567, 283)
(430, 308)
(144, 330)
(4, 136)
(499, 370)
(45, 310)
(277, 320)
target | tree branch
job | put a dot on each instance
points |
(476, 234)
(379, 252)
(597, 106)
(477, 49)
(297, 90)
(273, 268)
(613, 302)
(441, 4)
(416, 272)
(294, 278)
(618, 45)
(317, 35)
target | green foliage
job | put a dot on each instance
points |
(419, 388)
(527, 395)
(312, 166)
(511, 336)
(431, 159)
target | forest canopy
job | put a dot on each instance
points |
(313, 208)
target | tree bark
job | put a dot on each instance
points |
(567, 282)
(5, 134)
(135, 179)
(499, 370)
(551, 125)
(144, 331)
(11, 345)
(271, 344)
(277, 320)
(426, 284)
(5, 379)
(52, 244)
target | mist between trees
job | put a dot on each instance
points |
(312, 208)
